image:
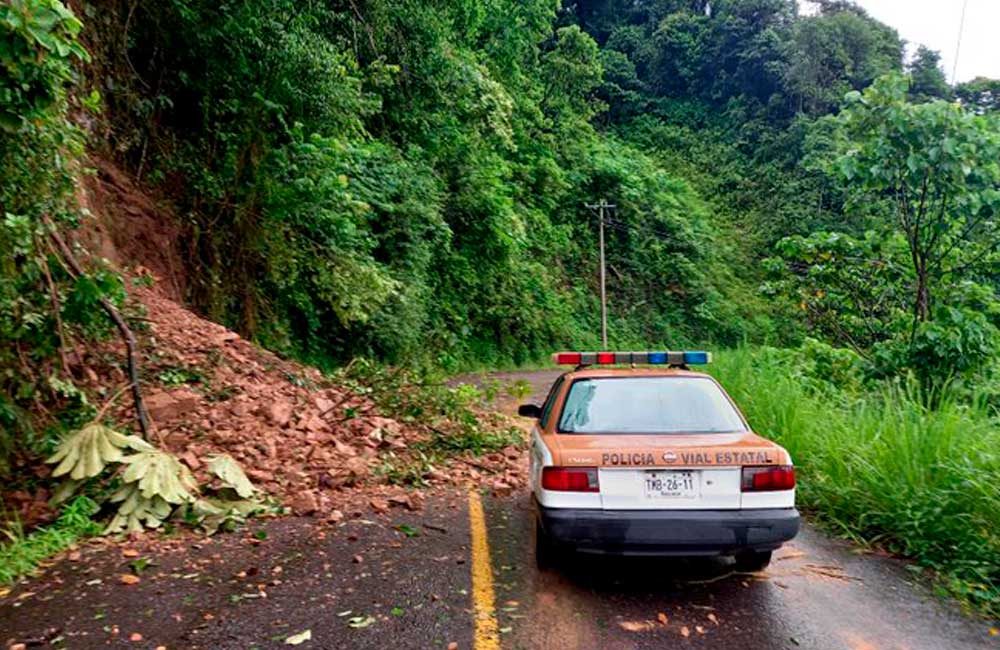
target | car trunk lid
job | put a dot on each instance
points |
(668, 471)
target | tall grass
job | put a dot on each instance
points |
(880, 467)
(22, 553)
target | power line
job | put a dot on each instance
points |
(637, 228)
(958, 42)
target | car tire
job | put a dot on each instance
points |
(545, 551)
(749, 561)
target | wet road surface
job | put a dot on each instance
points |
(405, 580)
(818, 593)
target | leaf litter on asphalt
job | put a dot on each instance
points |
(300, 638)
(359, 622)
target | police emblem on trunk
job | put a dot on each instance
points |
(669, 456)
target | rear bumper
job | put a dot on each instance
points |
(669, 532)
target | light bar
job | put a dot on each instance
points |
(673, 358)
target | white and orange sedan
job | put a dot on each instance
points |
(634, 453)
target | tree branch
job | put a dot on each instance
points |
(67, 257)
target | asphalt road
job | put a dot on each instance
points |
(818, 593)
(406, 580)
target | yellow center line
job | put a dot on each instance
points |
(486, 636)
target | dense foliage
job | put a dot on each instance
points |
(400, 180)
(43, 306)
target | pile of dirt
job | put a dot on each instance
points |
(299, 437)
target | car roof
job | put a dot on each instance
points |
(595, 372)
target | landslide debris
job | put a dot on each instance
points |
(300, 437)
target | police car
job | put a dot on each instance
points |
(634, 453)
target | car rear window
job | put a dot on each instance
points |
(648, 405)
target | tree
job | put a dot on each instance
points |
(927, 80)
(934, 167)
(834, 53)
(981, 95)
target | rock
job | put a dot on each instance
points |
(279, 413)
(379, 505)
(408, 501)
(241, 409)
(305, 503)
(258, 475)
(168, 405)
(315, 424)
(335, 516)
(345, 450)
(190, 460)
(323, 404)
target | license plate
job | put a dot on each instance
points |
(672, 484)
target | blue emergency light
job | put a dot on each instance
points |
(673, 358)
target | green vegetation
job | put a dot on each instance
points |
(878, 465)
(454, 416)
(22, 553)
(148, 485)
(38, 149)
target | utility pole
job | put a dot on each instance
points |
(600, 208)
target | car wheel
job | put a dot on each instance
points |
(545, 552)
(752, 560)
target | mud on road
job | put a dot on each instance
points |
(403, 579)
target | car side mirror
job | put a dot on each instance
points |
(529, 411)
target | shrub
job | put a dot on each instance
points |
(879, 466)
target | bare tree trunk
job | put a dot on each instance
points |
(922, 305)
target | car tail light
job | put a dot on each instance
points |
(570, 479)
(771, 478)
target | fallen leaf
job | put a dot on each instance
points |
(299, 638)
(713, 618)
(635, 626)
(994, 631)
(130, 552)
(699, 629)
(74, 556)
(685, 632)
(358, 622)
(4, 592)
(790, 556)
(358, 559)
(129, 579)
(662, 618)
(453, 646)
(135, 636)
